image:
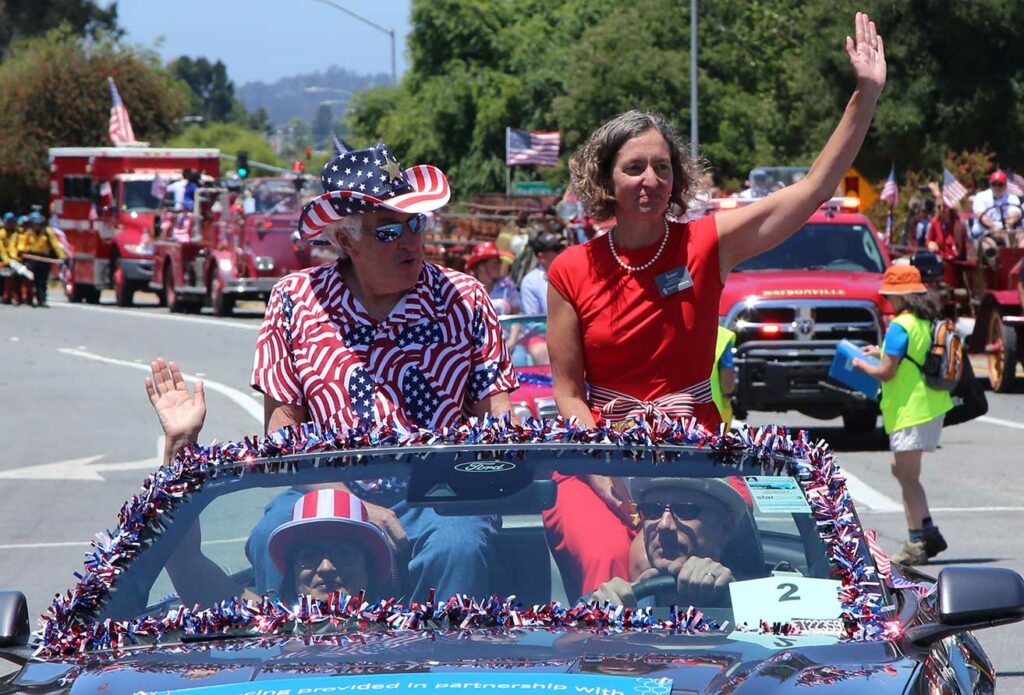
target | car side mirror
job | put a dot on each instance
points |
(971, 598)
(14, 627)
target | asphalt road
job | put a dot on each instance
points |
(78, 437)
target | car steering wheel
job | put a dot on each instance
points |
(655, 585)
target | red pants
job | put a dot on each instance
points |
(589, 542)
(17, 289)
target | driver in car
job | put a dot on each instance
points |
(329, 546)
(686, 525)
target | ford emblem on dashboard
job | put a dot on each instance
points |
(485, 466)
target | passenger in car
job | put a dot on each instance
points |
(633, 315)
(686, 525)
(329, 546)
(380, 337)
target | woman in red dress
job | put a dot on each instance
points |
(633, 314)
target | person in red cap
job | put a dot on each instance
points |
(995, 209)
(486, 263)
(912, 411)
(330, 546)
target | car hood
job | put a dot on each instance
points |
(800, 284)
(572, 661)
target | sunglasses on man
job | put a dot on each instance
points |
(683, 511)
(392, 231)
(311, 556)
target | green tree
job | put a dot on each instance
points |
(323, 120)
(213, 94)
(20, 19)
(229, 138)
(53, 92)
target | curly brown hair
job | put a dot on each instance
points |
(590, 168)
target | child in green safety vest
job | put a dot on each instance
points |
(723, 375)
(912, 412)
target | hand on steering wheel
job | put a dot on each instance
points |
(698, 581)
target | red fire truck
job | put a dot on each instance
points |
(103, 198)
(235, 245)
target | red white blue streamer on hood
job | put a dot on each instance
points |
(69, 627)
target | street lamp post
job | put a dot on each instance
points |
(693, 79)
(378, 27)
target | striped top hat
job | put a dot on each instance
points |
(331, 515)
(361, 181)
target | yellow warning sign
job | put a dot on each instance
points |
(856, 185)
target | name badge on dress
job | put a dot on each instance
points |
(675, 280)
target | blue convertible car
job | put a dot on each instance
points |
(327, 562)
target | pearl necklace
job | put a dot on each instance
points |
(636, 269)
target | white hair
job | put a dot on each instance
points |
(351, 226)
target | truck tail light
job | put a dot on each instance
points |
(771, 330)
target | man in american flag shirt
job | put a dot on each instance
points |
(381, 337)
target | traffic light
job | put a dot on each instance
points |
(242, 164)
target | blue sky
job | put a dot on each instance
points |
(268, 39)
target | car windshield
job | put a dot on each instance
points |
(527, 339)
(736, 540)
(137, 196)
(279, 196)
(819, 246)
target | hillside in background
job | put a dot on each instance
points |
(300, 95)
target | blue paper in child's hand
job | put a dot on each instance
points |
(843, 371)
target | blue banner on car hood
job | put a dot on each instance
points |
(442, 684)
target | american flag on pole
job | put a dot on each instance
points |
(890, 191)
(120, 130)
(952, 190)
(536, 147)
(1015, 183)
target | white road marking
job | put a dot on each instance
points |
(953, 510)
(1001, 422)
(864, 494)
(160, 317)
(84, 468)
(240, 399)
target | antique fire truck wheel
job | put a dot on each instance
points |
(1002, 354)
(123, 291)
(222, 304)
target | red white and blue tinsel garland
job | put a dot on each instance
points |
(69, 626)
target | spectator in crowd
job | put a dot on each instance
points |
(946, 235)
(633, 314)
(534, 287)
(924, 223)
(995, 209)
(915, 214)
(346, 345)
(487, 264)
(912, 411)
(760, 186)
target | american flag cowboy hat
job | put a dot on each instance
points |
(361, 181)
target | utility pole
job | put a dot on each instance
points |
(378, 27)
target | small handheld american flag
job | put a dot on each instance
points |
(952, 190)
(537, 147)
(120, 130)
(890, 191)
